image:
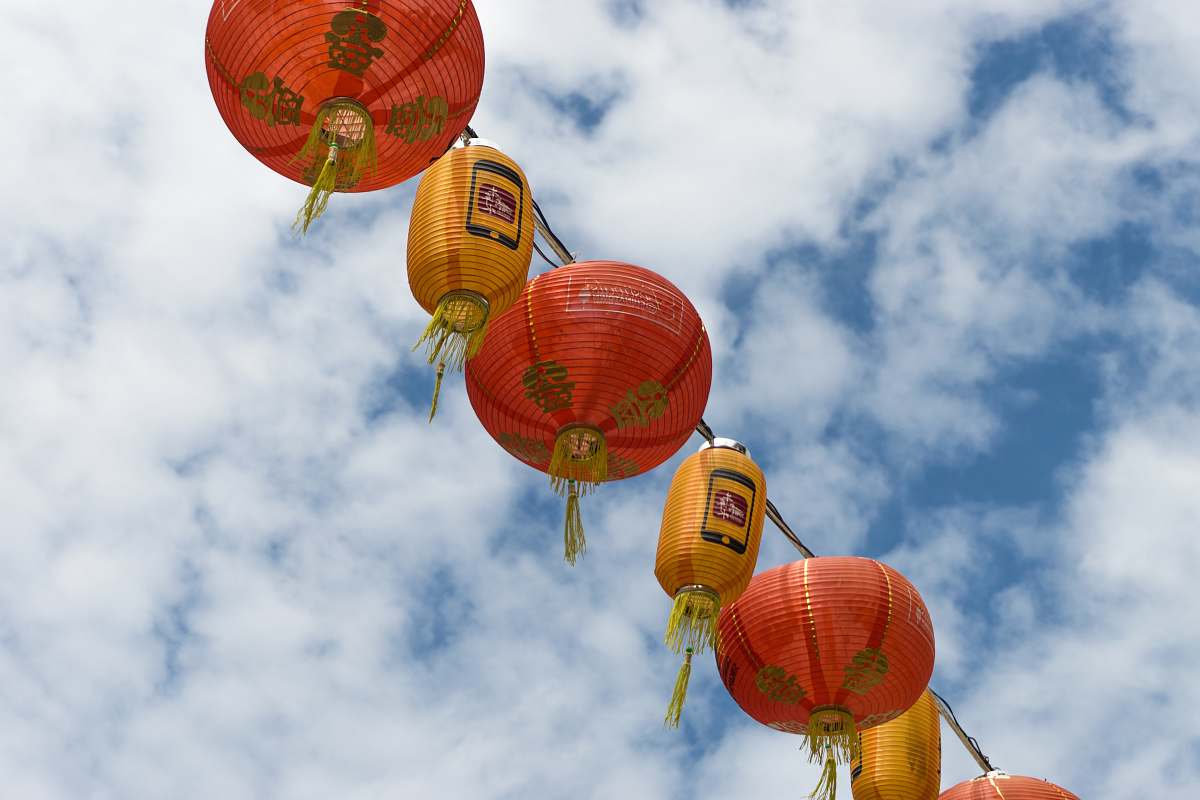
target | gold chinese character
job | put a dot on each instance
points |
(777, 685)
(350, 40)
(547, 386)
(621, 467)
(649, 403)
(419, 120)
(866, 671)
(530, 451)
(271, 101)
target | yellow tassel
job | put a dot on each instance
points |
(457, 329)
(827, 786)
(693, 621)
(679, 696)
(345, 128)
(579, 461)
(318, 196)
(437, 389)
(832, 737)
(573, 542)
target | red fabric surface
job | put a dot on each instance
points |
(790, 642)
(603, 331)
(1006, 787)
(431, 50)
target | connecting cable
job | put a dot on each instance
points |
(702, 428)
(545, 258)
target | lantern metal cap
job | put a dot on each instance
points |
(730, 444)
(478, 143)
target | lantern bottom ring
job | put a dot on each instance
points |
(465, 311)
(700, 610)
(345, 122)
(580, 458)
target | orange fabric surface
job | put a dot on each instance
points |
(712, 523)
(831, 631)
(901, 759)
(471, 229)
(416, 65)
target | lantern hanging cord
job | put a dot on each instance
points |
(545, 258)
(969, 742)
(702, 428)
(556, 244)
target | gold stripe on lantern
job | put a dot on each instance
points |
(707, 547)
(470, 243)
(901, 759)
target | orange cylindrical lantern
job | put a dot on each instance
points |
(826, 647)
(1000, 786)
(470, 241)
(344, 95)
(707, 547)
(600, 371)
(901, 759)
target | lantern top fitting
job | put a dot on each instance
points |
(729, 444)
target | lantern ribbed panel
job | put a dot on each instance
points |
(712, 523)
(808, 635)
(416, 66)
(603, 344)
(471, 229)
(998, 786)
(901, 759)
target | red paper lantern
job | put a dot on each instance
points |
(826, 647)
(999, 786)
(600, 371)
(344, 95)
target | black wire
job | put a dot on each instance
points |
(546, 224)
(974, 742)
(544, 258)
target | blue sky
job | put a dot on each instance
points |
(947, 253)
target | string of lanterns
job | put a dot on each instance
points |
(593, 372)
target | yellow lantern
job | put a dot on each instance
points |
(707, 547)
(901, 759)
(470, 243)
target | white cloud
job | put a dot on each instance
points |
(219, 579)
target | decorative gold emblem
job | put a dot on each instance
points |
(866, 671)
(649, 403)
(777, 685)
(352, 32)
(621, 467)
(271, 101)
(531, 451)
(420, 120)
(547, 386)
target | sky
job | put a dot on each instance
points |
(948, 256)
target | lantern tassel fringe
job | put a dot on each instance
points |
(679, 696)
(827, 786)
(574, 542)
(442, 341)
(692, 625)
(437, 390)
(318, 197)
(335, 169)
(568, 474)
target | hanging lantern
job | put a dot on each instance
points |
(826, 647)
(707, 547)
(600, 371)
(344, 95)
(1000, 786)
(470, 242)
(901, 759)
